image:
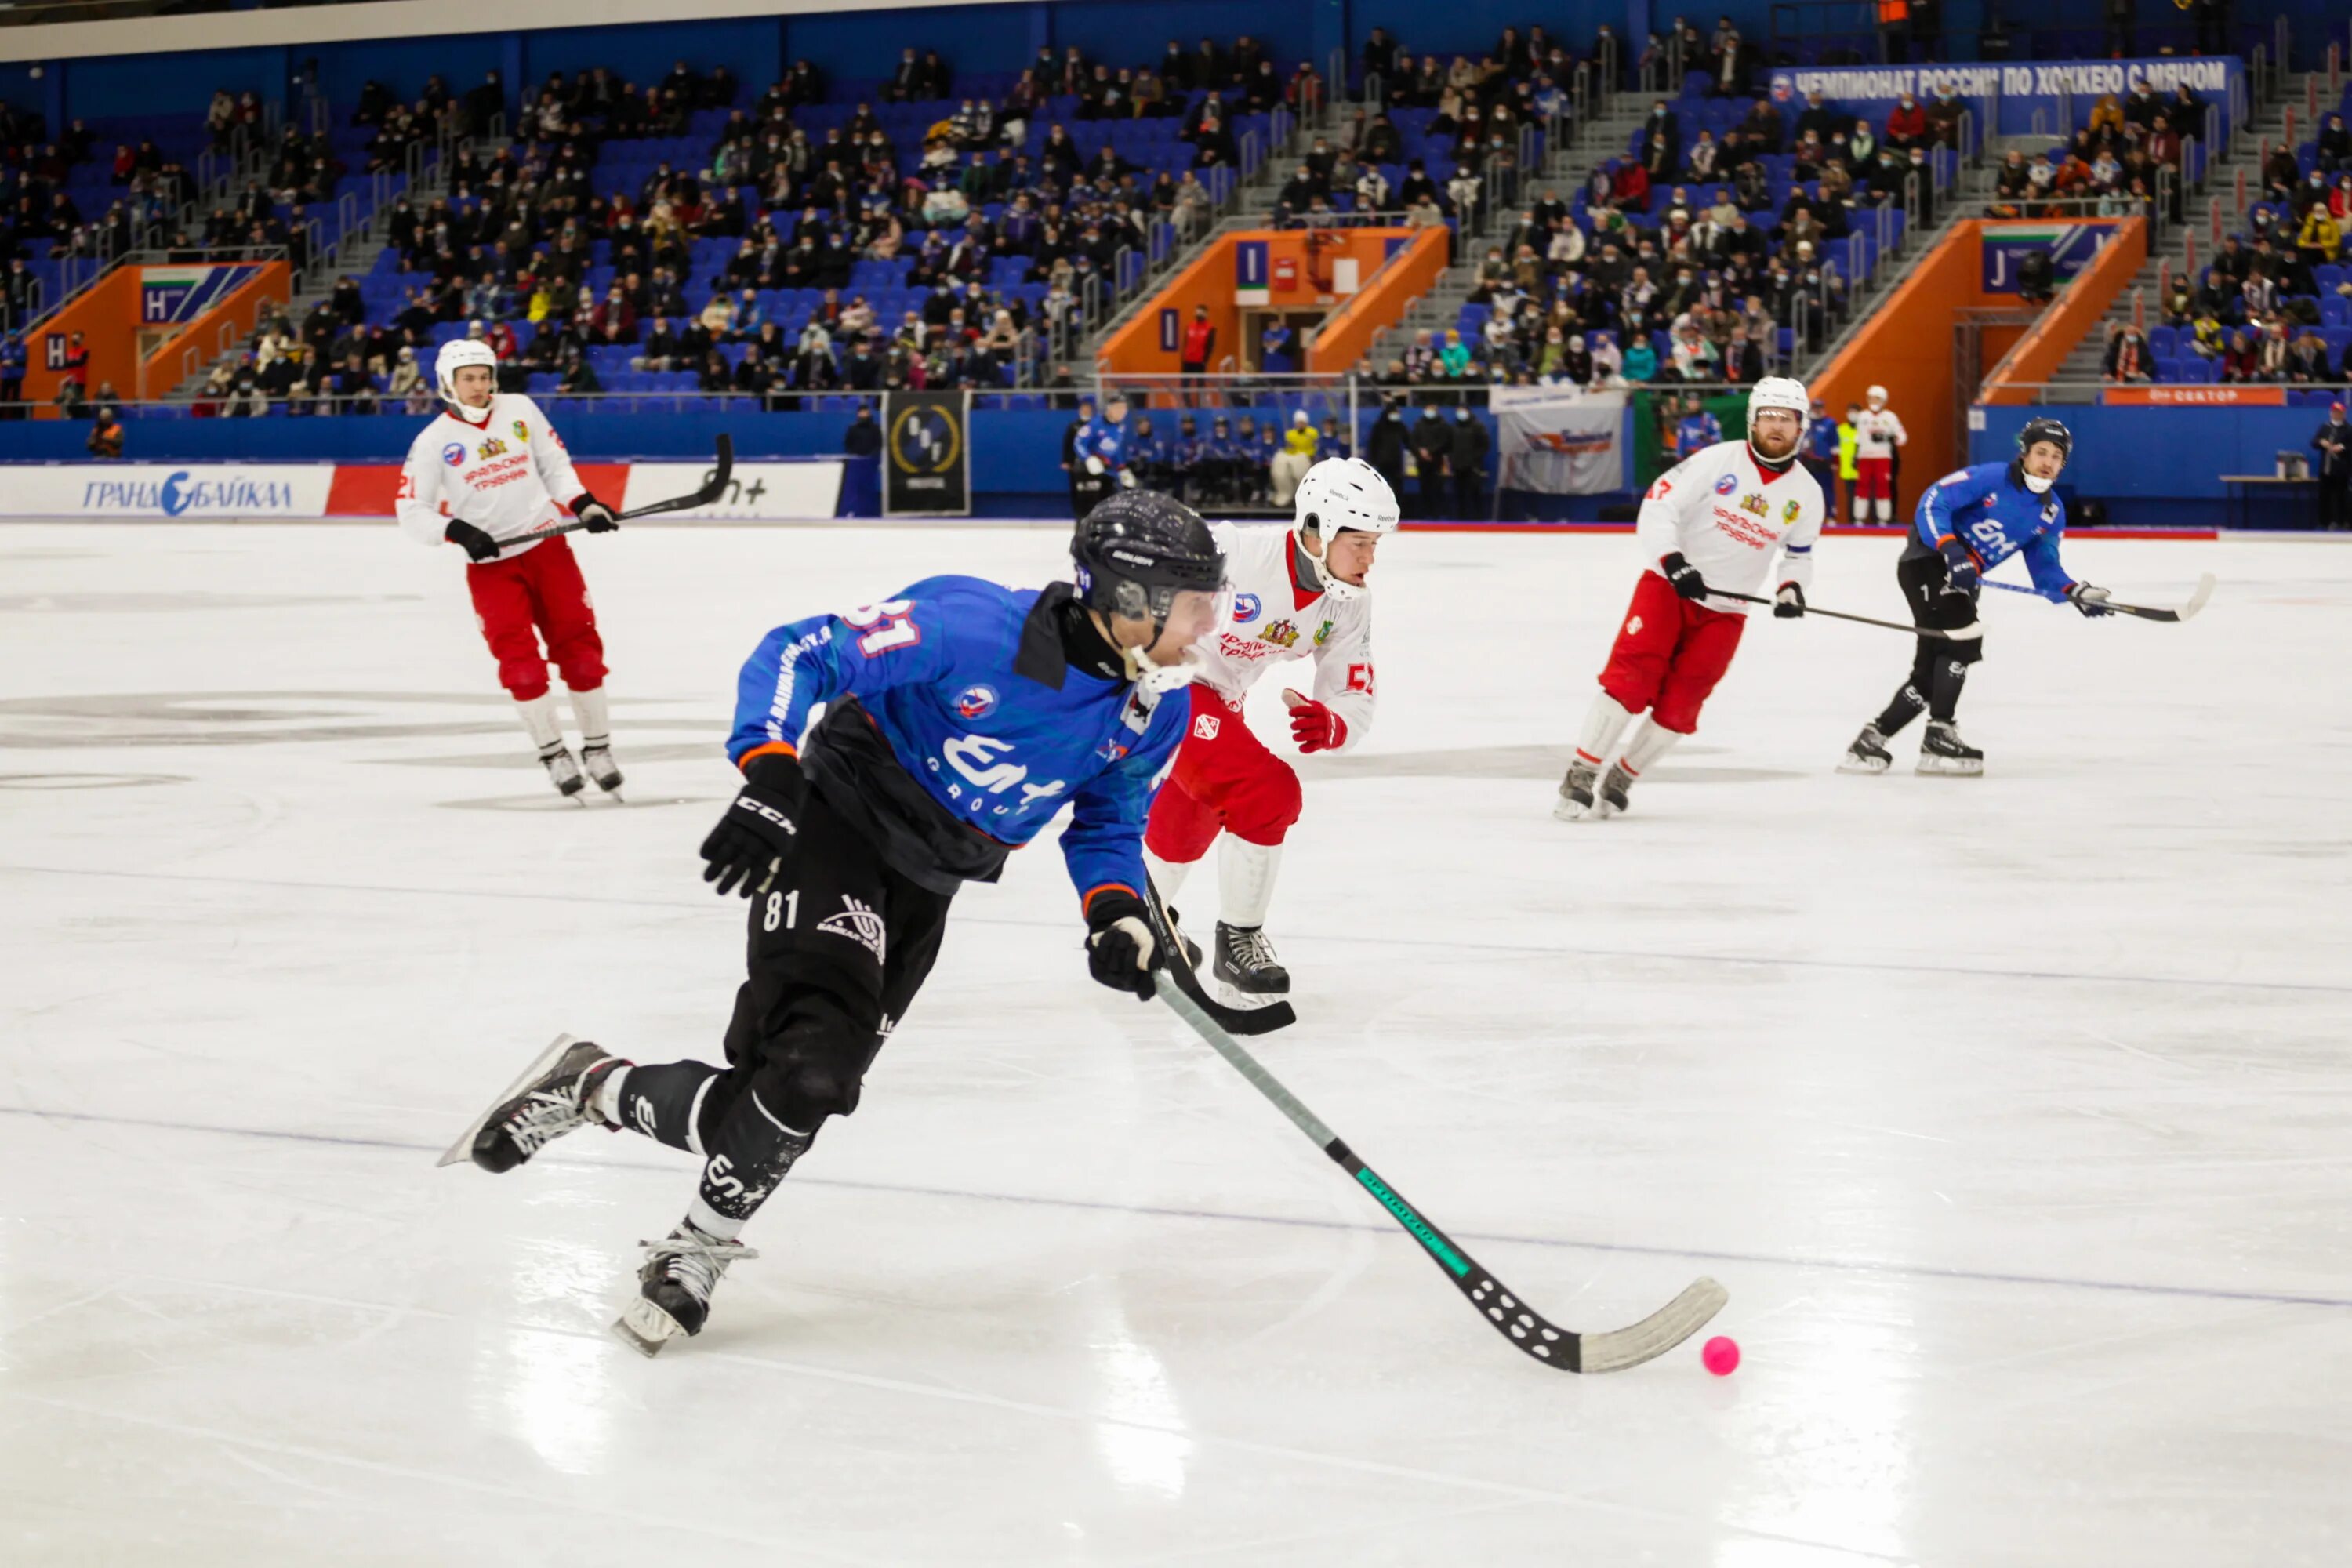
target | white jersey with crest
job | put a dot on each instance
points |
(502, 473)
(1274, 621)
(1725, 516)
(1877, 433)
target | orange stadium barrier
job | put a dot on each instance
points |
(2079, 309)
(1906, 345)
(1405, 276)
(107, 315)
(1290, 271)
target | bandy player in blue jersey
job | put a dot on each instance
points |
(961, 717)
(1968, 523)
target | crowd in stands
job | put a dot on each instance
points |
(2111, 168)
(1710, 252)
(670, 237)
(2274, 304)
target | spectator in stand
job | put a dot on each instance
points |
(2334, 146)
(12, 376)
(1906, 123)
(2128, 359)
(1662, 144)
(105, 441)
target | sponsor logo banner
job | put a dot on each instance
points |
(2044, 89)
(1560, 442)
(210, 491)
(767, 491)
(2195, 396)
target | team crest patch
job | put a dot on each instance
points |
(1204, 728)
(523, 432)
(1322, 633)
(1110, 750)
(452, 454)
(1755, 504)
(976, 701)
(1788, 512)
(860, 925)
(1633, 627)
(1281, 634)
(1246, 606)
(493, 447)
(1726, 484)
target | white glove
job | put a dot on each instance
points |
(1126, 479)
(1094, 464)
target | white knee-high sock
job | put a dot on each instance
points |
(1649, 743)
(1886, 510)
(596, 715)
(1167, 875)
(1603, 722)
(1860, 510)
(539, 718)
(1246, 874)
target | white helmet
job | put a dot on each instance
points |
(458, 353)
(1876, 397)
(1342, 493)
(1781, 391)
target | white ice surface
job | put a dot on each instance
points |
(2013, 1113)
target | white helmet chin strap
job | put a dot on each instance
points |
(1332, 584)
(2037, 486)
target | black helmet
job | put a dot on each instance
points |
(2046, 429)
(1136, 550)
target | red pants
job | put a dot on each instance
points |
(1224, 778)
(1669, 654)
(537, 590)
(1874, 479)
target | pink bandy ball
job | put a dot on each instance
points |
(1721, 1354)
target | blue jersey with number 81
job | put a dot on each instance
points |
(940, 668)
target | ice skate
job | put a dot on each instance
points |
(547, 1101)
(562, 771)
(674, 1288)
(1868, 755)
(1577, 792)
(596, 757)
(1616, 787)
(1943, 751)
(1245, 961)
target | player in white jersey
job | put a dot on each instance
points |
(1717, 519)
(1876, 434)
(1298, 593)
(483, 476)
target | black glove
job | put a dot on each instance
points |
(595, 514)
(478, 545)
(1790, 602)
(2089, 600)
(1121, 950)
(1960, 572)
(1683, 575)
(762, 827)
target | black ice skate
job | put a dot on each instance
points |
(596, 756)
(1245, 961)
(1616, 787)
(1943, 751)
(1577, 791)
(1868, 755)
(674, 1288)
(563, 772)
(547, 1101)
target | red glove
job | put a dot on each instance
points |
(1315, 727)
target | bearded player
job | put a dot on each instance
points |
(483, 477)
(1296, 594)
(1716, 520)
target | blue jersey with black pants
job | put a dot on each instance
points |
(960, 718)
(1988, 509)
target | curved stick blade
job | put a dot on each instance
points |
(1655, 1335)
